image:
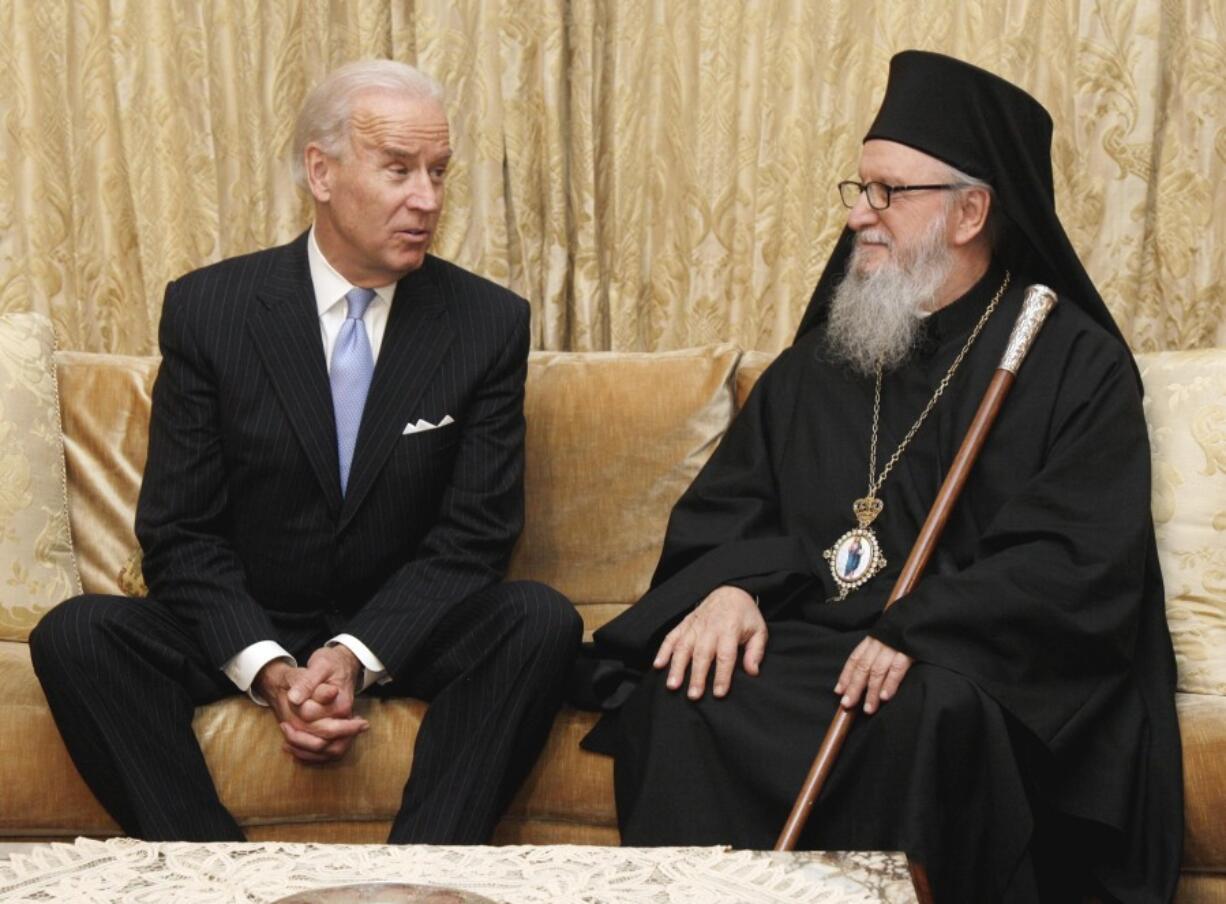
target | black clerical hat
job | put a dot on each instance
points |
(988, 128)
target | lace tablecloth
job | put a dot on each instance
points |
(123, 870)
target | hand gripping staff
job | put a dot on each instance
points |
(1038, 302)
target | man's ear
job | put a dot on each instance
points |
(972, 221)
(319, 168)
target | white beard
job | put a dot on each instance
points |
(875, 317)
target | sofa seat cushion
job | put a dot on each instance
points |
(568, 797)
(1202, 725)
(43, 794)
(263, 786)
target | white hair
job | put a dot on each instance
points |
(875, 317)
(324, 117)
(994, 225)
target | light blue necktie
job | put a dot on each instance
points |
(352, 367)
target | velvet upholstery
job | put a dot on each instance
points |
(106, 430)
(613, 440)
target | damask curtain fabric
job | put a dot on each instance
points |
(651, 174)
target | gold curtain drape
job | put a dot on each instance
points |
(651, 174)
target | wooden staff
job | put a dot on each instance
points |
(1038, 302)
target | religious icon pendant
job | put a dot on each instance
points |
(856, 556)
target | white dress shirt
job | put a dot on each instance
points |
(330, 288)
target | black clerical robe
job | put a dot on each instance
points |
(1033, 746)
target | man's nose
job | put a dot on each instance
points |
(862, 215)
(424, 193)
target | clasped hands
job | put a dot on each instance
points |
(314, 704)
(728, 619)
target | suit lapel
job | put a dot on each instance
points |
(285, 326)
(417, 336)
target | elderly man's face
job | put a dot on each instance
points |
(378, 204)
(895, 234)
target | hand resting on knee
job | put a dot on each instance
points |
(719, 626)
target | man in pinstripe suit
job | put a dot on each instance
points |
(302, 558)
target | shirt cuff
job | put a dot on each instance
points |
(374, 672)
(243, 666)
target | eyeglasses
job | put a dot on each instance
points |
(879, 194)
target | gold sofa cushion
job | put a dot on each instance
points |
(613, 440)
(106, 431)
(747, 373)
(42, 792)
(37, 568)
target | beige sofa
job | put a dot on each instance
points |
(613, 439)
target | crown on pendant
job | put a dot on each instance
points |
(867, 509)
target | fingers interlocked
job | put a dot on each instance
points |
(316, 714)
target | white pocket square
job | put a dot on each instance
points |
(422, 425)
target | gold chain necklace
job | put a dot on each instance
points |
(856, 556)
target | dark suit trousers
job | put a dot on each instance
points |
(123, 678)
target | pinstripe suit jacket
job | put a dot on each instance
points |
(245, 533)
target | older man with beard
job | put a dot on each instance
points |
(1020, 738)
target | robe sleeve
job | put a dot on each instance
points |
(735, 496)
(1045, 615)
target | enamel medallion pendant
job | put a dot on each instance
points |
(856, 556)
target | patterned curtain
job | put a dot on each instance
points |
(651, 174)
